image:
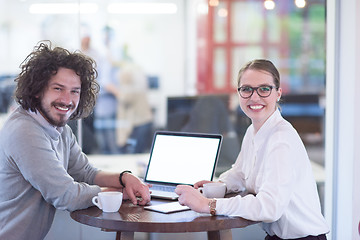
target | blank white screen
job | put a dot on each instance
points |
(182, 159)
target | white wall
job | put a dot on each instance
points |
(356, 167)
(342, 202)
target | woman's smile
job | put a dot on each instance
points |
(256, 107)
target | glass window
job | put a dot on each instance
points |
(241, 55)
(159, 49)
(220, 22)
(219, 68)
(273, 22)
(247, 21)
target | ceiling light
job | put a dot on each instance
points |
(142, 8)
(300, 3)
(269, 4)
(213, 3)
(63, 8)
(222, 12)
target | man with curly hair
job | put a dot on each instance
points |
(42, 167)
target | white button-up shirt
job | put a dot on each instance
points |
(274, 166)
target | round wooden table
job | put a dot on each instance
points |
(133, 218)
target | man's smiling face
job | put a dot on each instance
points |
(61, 97)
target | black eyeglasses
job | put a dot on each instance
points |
(263, 91)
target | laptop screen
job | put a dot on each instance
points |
(182, 158)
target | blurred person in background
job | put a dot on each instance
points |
(134, 132)
(104, 121)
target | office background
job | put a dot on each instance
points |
(193, 48)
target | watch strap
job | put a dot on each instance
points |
(212, 206)
(121, 175)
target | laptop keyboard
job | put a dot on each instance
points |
(163, 188)
(163, 191)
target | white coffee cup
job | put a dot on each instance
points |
(108, 201)
(214, 190)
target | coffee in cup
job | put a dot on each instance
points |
(214, 190)
(108, 201)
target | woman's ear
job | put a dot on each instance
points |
(279, 91)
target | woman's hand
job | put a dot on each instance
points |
(192, 198)
(201, 183)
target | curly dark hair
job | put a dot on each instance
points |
(43, 63)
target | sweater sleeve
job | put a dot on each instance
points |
(37, 156)
(79, 166)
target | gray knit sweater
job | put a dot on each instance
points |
(41, 168)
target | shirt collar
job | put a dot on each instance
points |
(266, 128)
(53, 131)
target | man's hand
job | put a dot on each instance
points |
(135, 189)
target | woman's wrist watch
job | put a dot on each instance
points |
(212, 206)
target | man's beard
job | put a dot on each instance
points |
(58, 123)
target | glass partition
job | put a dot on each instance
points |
(157, 52)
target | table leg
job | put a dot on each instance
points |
(213, 235)
(217, 235)
(124, 235)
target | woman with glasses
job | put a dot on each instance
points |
(272, 166)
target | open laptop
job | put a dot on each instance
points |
(180, 158)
